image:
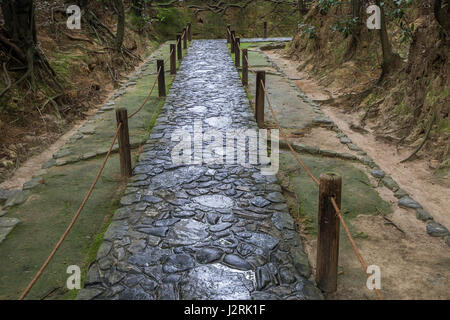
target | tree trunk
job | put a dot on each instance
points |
(391, 60)
(356, 30)
(442, 14)
(120, 24)
(20, 26)
(137, 7)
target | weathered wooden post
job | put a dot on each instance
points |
(190, 32)
(173, 59)
(328, 232)
(124, 143)
(179, 50)
(228, 33)
(265, 29)
(161, 78)
(237, 52)
(185, 38)
(233, 36)
(245, 67)
(259, 102)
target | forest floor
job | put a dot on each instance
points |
(414, 265)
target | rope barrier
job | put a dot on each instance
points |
(148, 96)
(333, 201)
(352, 242)
(74, 219)
(316, 181)
(89, 193)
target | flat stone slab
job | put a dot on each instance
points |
(200, 230)
(6, 226)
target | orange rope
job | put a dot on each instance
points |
(333, 201)
(86, 198)
(74, 219)
(287, 139)
(148, 96)
(352, 242)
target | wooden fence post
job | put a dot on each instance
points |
(228, 33)
(265, 29)
(185, 38)
(179, 50)
(173, 59)
(259, 102)
(161, 78)
(245, 67)
(328, 232)
(233, 36)
(237, 53)
(124, 143)
(190, 32)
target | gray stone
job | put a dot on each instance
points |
(234, 261)
(89, 293)
(435, 229)
(345, 140)
(216, 282)
(400, 193)
(377, 173)
(208, 255)
(447, 240)
(215, 201)
(390, 183)
(32, 183)
(6, 194)
(260, 202)
(62, 153)
(186, 232)
(423, 215)
(220, 227)
(178, 263)
(8, 222)
(15, 200)
(407, 202)
(154, 231)
(282, 220)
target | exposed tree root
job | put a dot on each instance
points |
(430, 126)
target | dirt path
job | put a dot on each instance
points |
(413, 264)
(416, 176)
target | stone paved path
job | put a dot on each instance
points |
(200, 231)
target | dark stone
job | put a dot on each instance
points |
(435, 229)
(423, 215)
(208, 255)
(166, 222)
(263, 278)
(220, 227)
(178, 263)
(237, 262)
(260, 202)
(407, 202)
(154, 231)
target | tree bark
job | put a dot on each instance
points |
(442, 14)
(356, 30)
(20, 26)
(391, 60)
(120, 24)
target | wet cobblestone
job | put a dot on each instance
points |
(218, 231)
